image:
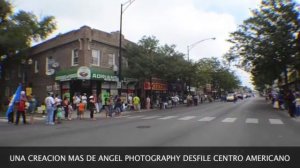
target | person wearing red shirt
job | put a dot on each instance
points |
(21, 107)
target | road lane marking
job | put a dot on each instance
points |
(229, 120)
(123, 116)
(168, 117)
(3, 120)
(139, 116)
(187, 118)
(150, 117)
(207, 119)
(275, 121)
(252, 121)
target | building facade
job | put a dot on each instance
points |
(81, 61)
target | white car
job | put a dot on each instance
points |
(230, 97)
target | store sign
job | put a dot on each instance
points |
(105, 77)
(84, 73)
(155, 86)
(208, 87)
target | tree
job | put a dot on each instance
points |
(148, 59)
(18, 30)
(211, 71)
(142, 58)
(266, 42)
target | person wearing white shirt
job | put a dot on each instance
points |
(49, 101)
(57, 102)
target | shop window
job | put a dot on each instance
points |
(75, 57)
(95, 60)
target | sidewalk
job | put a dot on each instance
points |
(283, 112)
(102, 114)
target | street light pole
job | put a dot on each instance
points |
(189, 47)
(125, 5)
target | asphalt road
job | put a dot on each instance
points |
(251, 122)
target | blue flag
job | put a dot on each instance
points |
(16, 97)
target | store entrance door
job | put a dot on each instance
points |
(81, 87)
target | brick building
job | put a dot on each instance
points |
(80, 61)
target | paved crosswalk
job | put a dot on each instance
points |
(204, 119)
(271, 121)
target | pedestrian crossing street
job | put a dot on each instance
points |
(271, 121)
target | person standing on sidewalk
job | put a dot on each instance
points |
(32, 107)
(130, 104)
(57, 101)
(118, 106)
(59, 114)
(21, 107)
(49, 101)
(297, 103)
(291, 103)
(84, 100)
(76, 101)
(148, 103)
(92, 107)
(136, 103)
(81, 109)
(65, 105)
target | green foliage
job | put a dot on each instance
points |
(148, 59)
(265, 44)
(18, 30)
(210, 70)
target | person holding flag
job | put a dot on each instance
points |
(10, 109)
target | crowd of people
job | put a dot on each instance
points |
(289, 100)
(58, 109)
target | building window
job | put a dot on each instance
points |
(75, 57)
(111, 60)
(95, 60)
(49, 65)
(36, 67)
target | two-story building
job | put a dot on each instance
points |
(77, 62)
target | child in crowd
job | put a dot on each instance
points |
(59, 114)
(81, 108)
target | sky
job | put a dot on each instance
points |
(179, 22)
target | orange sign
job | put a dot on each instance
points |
(155, 86)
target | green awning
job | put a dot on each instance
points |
(95, 74)
(66, 74)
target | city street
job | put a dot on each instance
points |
(250, 122)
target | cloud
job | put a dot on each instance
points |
(179, 22)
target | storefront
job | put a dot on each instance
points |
(89, 80)
(154, 89)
